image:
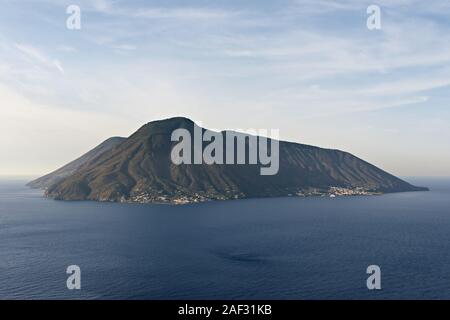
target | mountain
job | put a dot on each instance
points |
(140, 169)
(65, 171)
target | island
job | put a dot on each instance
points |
(140, 169)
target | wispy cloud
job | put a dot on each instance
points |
(66, 48)
(125, 47)
(186, 13)
(34, 55)
(288, 53)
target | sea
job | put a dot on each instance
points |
(273, 248)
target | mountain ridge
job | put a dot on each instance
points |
(53, 177)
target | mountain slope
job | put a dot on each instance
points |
(140, 170)
(65, 171)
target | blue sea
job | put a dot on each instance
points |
(280, 248)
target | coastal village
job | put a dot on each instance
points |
(180, 197)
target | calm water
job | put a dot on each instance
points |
(286, 248)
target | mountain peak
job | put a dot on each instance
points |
(170, 122)
(164, 126)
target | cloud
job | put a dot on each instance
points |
(325, 7)
(125, 47)
(58, 66)
(279, 58)
(33, 54)
(66, 48)
(185, 13)
(30, 128)
(104, 6)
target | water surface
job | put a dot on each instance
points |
(283, 248)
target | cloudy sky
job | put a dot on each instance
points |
(308, 67)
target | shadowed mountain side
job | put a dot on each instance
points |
(140, 170)
(65, 171)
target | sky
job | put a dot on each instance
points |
(310, 68)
